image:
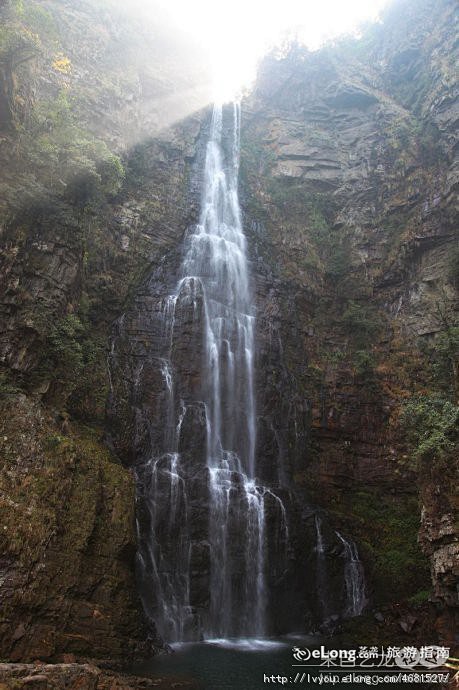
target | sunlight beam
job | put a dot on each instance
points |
(236, 35)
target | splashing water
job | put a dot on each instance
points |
(215, 289)
(216, 256)
(354, 579)
(213, 542)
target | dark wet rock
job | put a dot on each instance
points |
(81, 676)
(353, 166)
(407, 622)
(68, 543)
(349, 189)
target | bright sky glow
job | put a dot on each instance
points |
(236, 33)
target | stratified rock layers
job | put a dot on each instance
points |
(348, 187)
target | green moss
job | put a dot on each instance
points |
(432, 425)
(17, 43)
(364, 363)
(290, 195)
(255, 153)
(7, 384)
(27, 31)
(38, 19)
(361, 322)
(453, 268)
(420, 597)
(387, 530)
(67, 156)
(60, 498)
(67, 523)
(328, 249)
(73, 364)
(53, 441)
(62, 359)
(443, 354)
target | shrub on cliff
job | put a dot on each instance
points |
(68, 158)
(432, 423)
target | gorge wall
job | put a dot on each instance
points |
(79, 227)
(228, 546)
(348, 189)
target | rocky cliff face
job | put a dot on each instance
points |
(348, 189)
(79, 228)
(160, 421)
(67, 541)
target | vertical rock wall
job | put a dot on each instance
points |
(350, 189)
(348, 184)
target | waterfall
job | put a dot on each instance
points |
(216, 256)
(165, 562)
(215, 292)
(321, 570)
(354, 579)
(216, 547)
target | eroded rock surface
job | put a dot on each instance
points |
(349, 190)
(81, 676)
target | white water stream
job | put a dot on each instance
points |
(223, 566)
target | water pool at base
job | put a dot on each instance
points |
(244, 664)
(224, 664)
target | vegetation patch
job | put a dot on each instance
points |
(387, 528)
(432, 425)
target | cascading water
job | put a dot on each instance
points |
(321, 570)
(215, 288)
(217, 548)
(216, 257)
(354, 579)
(354, 597)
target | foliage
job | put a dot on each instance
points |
(110, 169)
(291, 195)
(16, 43)
(68, 156)
(364, 363)
(55, 490)
(360, 322)
(39, 20)
(444, 357)
(53, 441)
(334, 356)
(331, 247)
(400, 133)
(87, 400)
(420, 597)
(73, 362)
(61, 360)
(254, 154)
(65, 158)
(7, 387)
(17, 5)
(453, 272)
(62, 64)
(442, 349)
(428, 143)
(64, 349)
(388, 534)
(432, 425)
(29, 27)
